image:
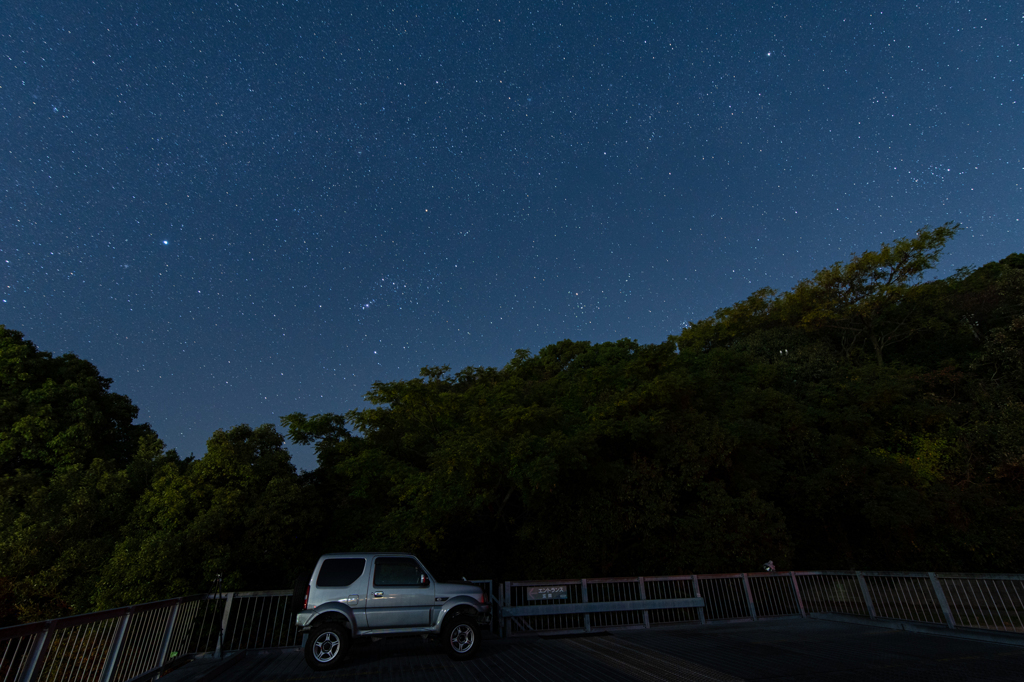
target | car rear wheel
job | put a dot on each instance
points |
(460, 637)
(327, 645)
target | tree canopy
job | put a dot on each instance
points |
(866, 418)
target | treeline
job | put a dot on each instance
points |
(865, 418)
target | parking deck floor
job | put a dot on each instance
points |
(782, 650)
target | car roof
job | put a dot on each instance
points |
(363, 555)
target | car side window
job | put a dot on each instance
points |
(396, 572)
(339, 572)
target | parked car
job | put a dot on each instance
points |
(374, 595)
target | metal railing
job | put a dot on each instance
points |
(953, 601)
(138, 642)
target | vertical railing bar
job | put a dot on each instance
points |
(56, 653)
(750, 597)
(779, 597)
(940, 598)
(969, 599)
(259, 624)
(1019, 625)
(244, 621)
(222, 633)
(866, 595)
(643, 596)
(953, 586)
(983, 609)
(696, 593)
(949, 590)
(880, 599)
(270, 639)
(997, 594)
(256, 607)
(992, 599)
(781, 606)
(796, 593)
(586, 616)
(922, 606)
(929, 603)
(928, 606)
(136, 644)
(128, 651)
(69, 638)
(87, 646)
(979, 602)
(106, 636)
(901, 605)
(281, 619)
(115, 648)
(184, 629)
(95, 645)
(165, 641)
(895, 608)
(156, 635)
(919, 605)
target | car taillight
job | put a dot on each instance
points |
(305, 602)
(483, 598)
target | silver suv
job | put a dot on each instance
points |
(381, 595)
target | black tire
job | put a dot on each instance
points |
(327, 645)
(460, 637)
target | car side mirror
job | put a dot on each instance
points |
(424, 581)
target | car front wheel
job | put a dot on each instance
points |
(460, 637)
(327, 645)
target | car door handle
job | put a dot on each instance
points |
(377, 595)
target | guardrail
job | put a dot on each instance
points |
(973, 604)
(137, 643)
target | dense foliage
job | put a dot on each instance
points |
(865, 418)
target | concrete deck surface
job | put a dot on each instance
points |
(782, 650)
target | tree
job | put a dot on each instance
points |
(233, 513)
(72, 465)
(873, 296)
(59, 411)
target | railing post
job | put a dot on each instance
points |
(37, 657)
(796, 591)
(643, 595)
(115, 648)
(867, 595)
(696, 593)
(219, 651)
(750, 597)
(506, 623)
(943, 604)
(165, 644)
(586, 616)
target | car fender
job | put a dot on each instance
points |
(330, 610)
(456, 602)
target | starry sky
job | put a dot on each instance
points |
(238, 210)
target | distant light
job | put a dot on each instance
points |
(165, 242)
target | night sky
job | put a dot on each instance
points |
(241, 210)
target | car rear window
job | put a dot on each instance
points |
(339, 572)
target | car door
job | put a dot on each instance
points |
(341, 579)
(401, 594)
